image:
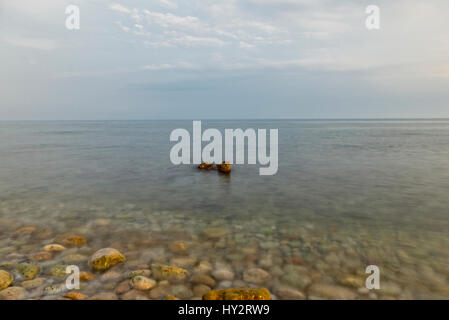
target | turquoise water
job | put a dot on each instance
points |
(347, 194)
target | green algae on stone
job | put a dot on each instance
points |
(161, 272)
(142, 272)
(105, 258)
(58, 270)
(242, 293)
(5, 279)
(28, 270)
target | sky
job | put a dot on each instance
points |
(223, 59)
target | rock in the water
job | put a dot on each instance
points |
(58, 270)
(25, 231)
(135, 295)
(181, 291)
(200, 289)
(123, 287)
(203, 279)
(142, 272)
(333, 292)
(352, 281)
(28, 270)
(174, 274)
(104, 296)
(86, 276)
(75, 295)
(32, 284)
(296, 276)
(105, 258)
(286, 293)
(223, 274)
(5, 279)
(13, 293)
(55, 289)
(179, 247)
(73, 241)
(54, 247)
(256, 275)
(215, 232)
(183, 262)
(243, 293)
(142, 283)
(41, 256)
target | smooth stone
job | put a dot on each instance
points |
(215, 232)
(159, 292)
(203, 279)
(5, 279)
(296, 276)
(74, 258)
(86, 276)
(59, 271)
(142, 272)
(181, 291)
(243, 293)
(32, 284)
(54, 247)
(174, 274)
(105, 258)
(330, 291)
(287, 293)
(73, 241)
(183, 262)
(203, 267)
(55, 289)
(122, 287)
(104, 296)
(28, 270)
(389, 288)
(13, 293)
(223, 274)
(134, 295)
(142, 283)
(110, 275)
(75, 296)
(256, 275)
(25, 231)
(41, 256)
(178, 247)
(352, 281)
(200, 289)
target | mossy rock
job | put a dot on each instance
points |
(243, 293)
(5, 279)
(174, 274)
(105, 258)
(58, 270)
(28, 270)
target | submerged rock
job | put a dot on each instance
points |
(142, 272)
(54, 247)
(5, 279)
(32, 284)
(175, 274)
(25, 231)
(13, 293)
(41, 256)
(328, 291)
(58, 270)
(215, 232)
(223, 274)
(86, 276)
(75, 296)
(256, 275)
(203, 279)
(73, 241)
(105, 258)
(28, 270)
(243, 293)
(142, 283)
(178, 247)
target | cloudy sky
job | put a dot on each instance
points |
(203, 59)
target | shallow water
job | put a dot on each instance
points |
(347, 194)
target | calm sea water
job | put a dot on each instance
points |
(352, 184)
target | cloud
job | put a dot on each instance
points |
(31, 43)
(119, 8)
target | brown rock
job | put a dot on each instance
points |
(75, 296)
(5, 279)
(224, 167)
(242, 293)
(105, 258)
(13, 293)
(39, 256)
(203, 279)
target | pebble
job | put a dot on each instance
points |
(256, 275)
(105, 258)
(41, 256)
(32, 284)
(142, 283)
(330, 291)
(287, 293)
(174, 274)
(142, 272)
(86, 276)
(223, 274)
(200, 289)
(104, 296)
(296, 276)
(13, 293)
(28, 270)
(181, 291)
(123, 287)
(134, 295)
(178, 247)
(5, 279)
(203, 279)
(59, 271)
(183, 262)
(75, 296)
(73, 241)
(54, 247)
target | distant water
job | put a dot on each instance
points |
(375, 185)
